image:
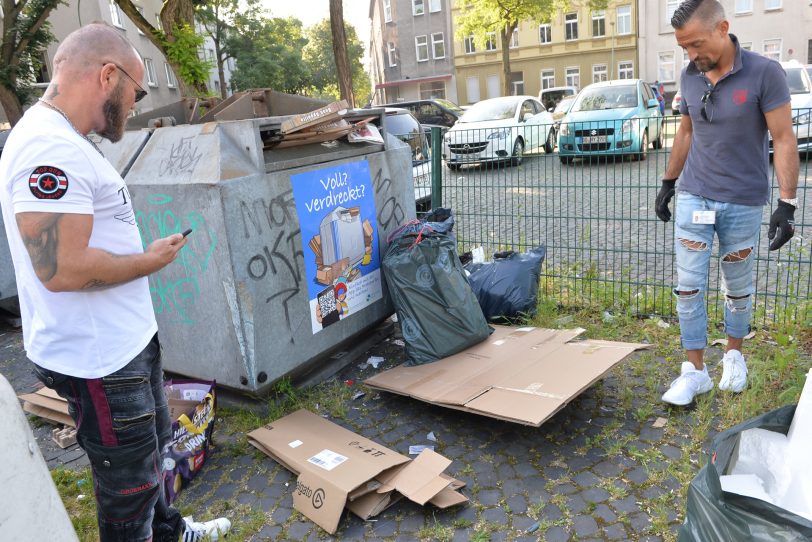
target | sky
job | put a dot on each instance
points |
(356, 13)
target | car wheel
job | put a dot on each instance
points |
(658, 143)
(549, 145)
(454, 167)
(518, 153)
(566, 159)
(643, 146)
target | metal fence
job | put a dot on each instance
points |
(605, 245)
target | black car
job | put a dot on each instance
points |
(436, 111)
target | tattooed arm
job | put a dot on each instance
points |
(57, 244)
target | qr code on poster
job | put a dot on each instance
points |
(327, 301)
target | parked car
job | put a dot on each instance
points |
(402, 124)
(611, 118)
(499, 130)
(551, 96)
(561, 110)
(433, 111)
(800, 88)
(675, 103)
(809, 70)
(660, 98)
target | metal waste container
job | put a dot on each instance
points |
(8, 283)
(283, 264)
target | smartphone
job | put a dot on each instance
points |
(187, 232)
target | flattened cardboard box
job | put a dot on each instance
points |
(337, 468)
(46, 404)
(518, 374)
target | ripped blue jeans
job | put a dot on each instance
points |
(737, 228)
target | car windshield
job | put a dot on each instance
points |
(564, 104)
(407, 129)
(593, 99)
(798, 84)
(490, 110)
(451, 106)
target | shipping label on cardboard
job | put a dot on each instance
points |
(327, 459)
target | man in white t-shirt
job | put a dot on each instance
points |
(81, 270)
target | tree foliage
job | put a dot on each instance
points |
(217, 19)
(320, 61)
(25, 37)
(480, 17)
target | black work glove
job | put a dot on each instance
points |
(783, 222)
(664, 198)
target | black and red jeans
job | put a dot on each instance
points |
(123, 424)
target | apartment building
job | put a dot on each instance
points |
(411, 55)
(575, 48)
(779, 29)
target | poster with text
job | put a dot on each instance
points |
(336, 208)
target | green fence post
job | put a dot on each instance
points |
(436, 167)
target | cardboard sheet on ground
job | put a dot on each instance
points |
(46, 404)
(337, 468)
(518, 374)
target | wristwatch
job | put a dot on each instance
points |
(791, 201)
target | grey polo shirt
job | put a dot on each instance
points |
(729, 155)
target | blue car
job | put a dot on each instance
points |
(612, 118)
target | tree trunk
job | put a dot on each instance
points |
(221, 72)
(11, 105)
(505, 36)
(340, 51)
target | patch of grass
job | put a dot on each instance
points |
(462, 523)
(437, 532)
(71, 485)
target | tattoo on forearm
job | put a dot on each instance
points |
(94, 283)
(42, 242)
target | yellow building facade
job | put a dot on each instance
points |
(576, 48)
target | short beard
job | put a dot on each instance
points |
(115, 118)
(706, 67)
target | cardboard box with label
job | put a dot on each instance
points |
(339, 469)
(518, 374)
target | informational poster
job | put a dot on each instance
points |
(336, 208)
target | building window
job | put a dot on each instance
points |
(746, 45)
(115, 14)
(772, 4)
(171, 82)
(490, 44)
(573, 77)
(666, 71)
(470, 47)
(599, 23)
(418, 8)
(624, 20)
(772, 49)
(435, 89)
(392, 53)
(421, 45)
(744, 6)
(438, 45)
(547, 79)
(149, 67)
(434, 7)
(571, 26)
(670, 7)
(472, 89)
(600, 72)
(387, 11)
(545, 34)
(514, 39)
(625, 69)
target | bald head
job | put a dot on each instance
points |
(89, 47)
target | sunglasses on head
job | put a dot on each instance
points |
(707, 97)
(139, 91)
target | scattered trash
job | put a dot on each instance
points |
(330, 144)
(663, 324)
(394, 317)
(80, 497)
(418, 448)
(374, 361)
(723, 342)
(431, 437)
(399, 342)
(608, 316)
(563, 320)
(358, 395)
(478, 254)
(659, 422)
(533, 528)
(349, 382)
(80, 483)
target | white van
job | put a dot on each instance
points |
(551, 96)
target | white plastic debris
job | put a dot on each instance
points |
(399, 342)
(358, 395)
(431, 437)
(374, 361)
(608, 316)
(478, 254)
(663, 324)
(417, 448)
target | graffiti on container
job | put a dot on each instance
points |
(391, 212)
(176, 287)
(183, 157)
(280, 258)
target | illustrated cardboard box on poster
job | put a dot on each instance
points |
(518, 374)
(337, 468)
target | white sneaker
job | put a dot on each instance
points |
(688, 385)
(209, 531)
(734, 373)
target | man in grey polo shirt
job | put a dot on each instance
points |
(731, 97)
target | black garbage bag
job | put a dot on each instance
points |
(507, 288)
(437, 310)
(715, 515)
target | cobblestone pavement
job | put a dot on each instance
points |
(597, 470)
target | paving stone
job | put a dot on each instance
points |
(269, 532)
(556, 534)
(462, 535)
(607, 469)
(564, 489)
(535, 485)
(626, 505)
(595, 494)
(576, 504)
(495, 515)
(513, 487)
(553, 473)
(651, 493)
(489, 497)
(637, 476)
(505, 471)
(615, 531)
(640, 522)
(281, 514)
(385, 528)
(225, 492)
(298, 530)
(522, 522)
(525, 470)
(671, 452)
(237, 474)
(517, 504)
(411, 523)
(584, 525)
(258, 482)
(586, 479)
(551, 512)
(247, 498)
(604, 513)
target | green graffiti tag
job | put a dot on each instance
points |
(176, 287)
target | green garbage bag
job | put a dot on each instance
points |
(438, 312)
(715, 515)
